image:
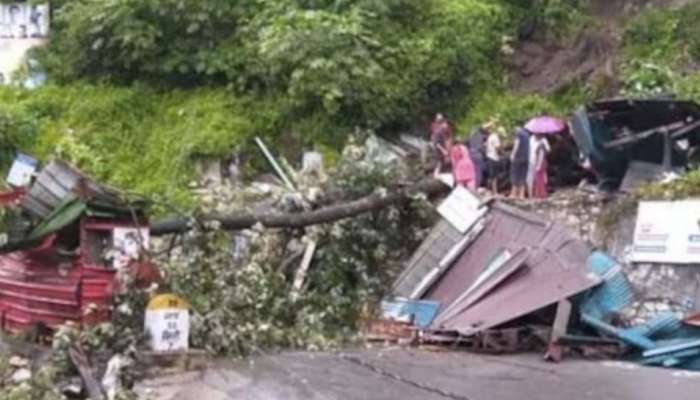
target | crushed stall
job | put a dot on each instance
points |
(70, 245)
(513, 278)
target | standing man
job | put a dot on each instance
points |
(476, 152)
(440, 139)
(519, 163)
(493, 159)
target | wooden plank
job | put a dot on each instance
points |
(81, 362)
(300, 275)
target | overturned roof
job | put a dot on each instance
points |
(518, 264)
(58, 197)
(612, 133)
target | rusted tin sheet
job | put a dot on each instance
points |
(386, 330)
(57, 182)
(483, 287)
(555, 268)
(40, 290)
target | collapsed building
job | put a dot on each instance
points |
(630, 142)
(69, 246)
(490, 276)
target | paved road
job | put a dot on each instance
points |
(405, 375)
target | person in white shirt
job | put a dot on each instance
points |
(493, 160)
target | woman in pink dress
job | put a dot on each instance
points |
(540, 179)
(462, 166)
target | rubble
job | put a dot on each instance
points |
(18, 362)
(515, 269)
(21, 375)
(72, 245)
(628, 142)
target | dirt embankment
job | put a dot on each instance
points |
(543, 65)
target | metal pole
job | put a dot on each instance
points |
(275, 165)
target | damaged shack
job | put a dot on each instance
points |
(502, 279)
(629, 142)
(69, 246)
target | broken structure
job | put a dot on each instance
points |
(495, 271)
(628, 142)
(69, 241)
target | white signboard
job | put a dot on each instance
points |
(168, 323)
(22, 26)
(128, 245)
(461, 209)
(23, 168)
(668, 232)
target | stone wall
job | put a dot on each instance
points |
(659, 288)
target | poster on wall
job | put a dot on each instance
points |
(24, 20)
(668, 232)
(129, 244)
(22, 27)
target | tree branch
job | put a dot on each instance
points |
(323, 215)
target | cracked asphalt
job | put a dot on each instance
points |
(414, 374)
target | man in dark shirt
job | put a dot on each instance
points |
(519, 163)
(476, 152)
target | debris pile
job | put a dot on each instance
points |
(278, 282)
(491, 276)
(70, 245)
(630, 142)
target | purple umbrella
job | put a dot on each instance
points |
(545, 125)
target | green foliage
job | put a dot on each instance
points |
(137, 138)
(561, 16)
(556, 19)
(653, 36)
(512, 109)
(18, 130)
(241, 306)
(643, 79)
(658, 44)
(346, 63)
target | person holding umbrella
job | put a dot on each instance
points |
(540, 178)
(539, 149)
(537, 142)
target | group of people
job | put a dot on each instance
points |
(482, 160)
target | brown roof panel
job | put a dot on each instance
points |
(527, 290)
(555, 268)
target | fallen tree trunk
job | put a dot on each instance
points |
(323, 215)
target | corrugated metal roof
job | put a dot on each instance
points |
(664, 325)
(58, 182)
(441, 239)
(614, 294)
(555, 269)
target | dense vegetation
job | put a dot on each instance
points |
(138, 89)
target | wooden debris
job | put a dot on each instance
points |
(300, 275)
(82, 363)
